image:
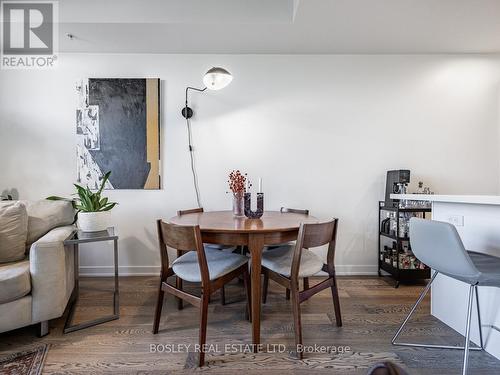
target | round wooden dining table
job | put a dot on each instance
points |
(274, 227)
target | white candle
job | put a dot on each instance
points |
(260, 185)
(247, 186)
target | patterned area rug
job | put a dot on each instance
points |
(29, 362)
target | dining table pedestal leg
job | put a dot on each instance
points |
(256, 245)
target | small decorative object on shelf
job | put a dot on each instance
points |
(260, 203)
(92, 210)
(421, 203)
(238, 184)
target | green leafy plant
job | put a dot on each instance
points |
(87, 201)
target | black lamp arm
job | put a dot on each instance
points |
(195, 89)
(186, 111)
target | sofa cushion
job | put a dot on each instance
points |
(16, 314)
(14, 280)
(13, 230)
(44, 215)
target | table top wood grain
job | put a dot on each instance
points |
(225, 222)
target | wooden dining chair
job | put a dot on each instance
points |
(290, 244)
(210, 267)
(214, 246)
(287, 265)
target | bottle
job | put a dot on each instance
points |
(420, 189)
(405, 246)
(402, 227)
(427, 190)
(406, 262)
(385, 226)
(393, 231)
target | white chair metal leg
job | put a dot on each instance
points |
(479, 318)
(420, 298)
(467, 329)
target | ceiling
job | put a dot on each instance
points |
(280, 26)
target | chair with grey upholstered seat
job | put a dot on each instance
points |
(219, 263)
(211, 267)
(285, 266)
(439, 246)
(280, 249)
(207, 245)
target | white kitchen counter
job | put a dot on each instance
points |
(477, 219)
(470, 199)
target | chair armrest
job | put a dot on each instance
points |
(52, 274)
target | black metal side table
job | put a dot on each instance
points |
(75, 239)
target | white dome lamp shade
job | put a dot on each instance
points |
(217, 78)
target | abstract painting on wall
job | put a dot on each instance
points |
(118, 130)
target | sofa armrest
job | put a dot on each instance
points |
(52, 274)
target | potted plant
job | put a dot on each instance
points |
(92, 209)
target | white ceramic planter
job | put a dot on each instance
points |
(93, 221)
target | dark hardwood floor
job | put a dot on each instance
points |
(371, 310)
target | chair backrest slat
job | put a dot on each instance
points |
(294, 210)
(179, 237)
(184, 238)
(190, 211)
(315, 235)
(318, 234)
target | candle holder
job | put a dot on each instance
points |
(248, 206)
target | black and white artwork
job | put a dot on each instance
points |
(87, 125)
(117, 127)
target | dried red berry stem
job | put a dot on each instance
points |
(237, 182)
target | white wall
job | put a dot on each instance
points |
(320, 130)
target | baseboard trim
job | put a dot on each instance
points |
(356, 270)
(97, 271)
(102, 271)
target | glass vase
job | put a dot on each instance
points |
(238, 205)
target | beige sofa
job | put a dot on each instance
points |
(36, 270)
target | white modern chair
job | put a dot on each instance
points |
(439, 246)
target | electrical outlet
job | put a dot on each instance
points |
(456, 220)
